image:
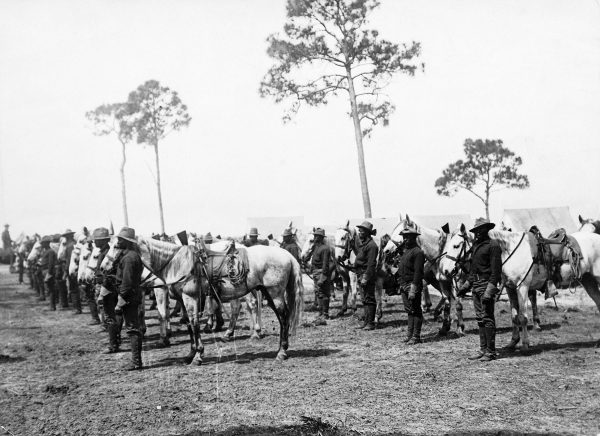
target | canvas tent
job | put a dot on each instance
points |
(547, 219)
(437, 221)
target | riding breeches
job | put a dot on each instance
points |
(131, 316)
(412, 307)
(484, 310)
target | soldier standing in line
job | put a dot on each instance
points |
(289, 244)
(365, 266)
(47, 269)
(321, 262)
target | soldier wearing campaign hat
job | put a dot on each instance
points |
(322, 267)
(48, 268)
(252, 238)
(365, 266)
(483, 279)
(100, 237)
(289, 244)
(64, 284)
(410, 276)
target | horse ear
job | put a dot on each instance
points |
(290, 225)
(374, 232)
(399, 217)
(408, 219)
(347, 223)
(580, 220)
(463, 229)
(446, 228)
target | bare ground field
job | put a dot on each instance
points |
(338, 381)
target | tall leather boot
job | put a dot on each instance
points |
(42, 291)
(370, 317)
(76, 297)
(320, 320)
(113, 345)
(93, 312)
(344, 307)
(363, 318)
(63, 294)
(490, 335)
(416, 337)
(119, 328)
(136, 352)
(410, 328)
(482, 344)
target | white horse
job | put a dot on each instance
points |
(432, 243)
(589, 225)
(271, 270)
(521, 271)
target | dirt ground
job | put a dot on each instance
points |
(338, 381)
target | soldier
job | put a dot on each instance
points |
(100, 237)
(129, 276)
(365, 266)
(6, 240)
(253, 238)
(62, 269)
(290, 244)
(321, 262)
(47, 269)
(410, 276)
(483, 278)
(208, 239)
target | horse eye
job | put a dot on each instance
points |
(456, 246)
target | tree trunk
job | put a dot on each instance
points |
(160, 205)
(123, 192)
(487, 203)
(359, 147)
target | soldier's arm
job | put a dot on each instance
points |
(126, 290)
(371, 262)
(495, 264)
(419, 267)
(325, 255)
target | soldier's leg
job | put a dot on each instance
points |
(132, 326)
(417, 313)
(370, 304)
(50, 288)
(410, 326)
(109, 303)
(489, 322)
(61, 286)
(74, 291)
(91, 298)
(477, 292)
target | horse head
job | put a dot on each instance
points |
(456, 248)
(344, 240)
(308, 247)
(589, 225)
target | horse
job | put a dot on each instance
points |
(522, 271)
(432, 242)
(589, 225)
(272, 271)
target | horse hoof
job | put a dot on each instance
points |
(525, 347)
(281, 356)
(189, 358)
(255, 337)
(197, 361)
(537, 327)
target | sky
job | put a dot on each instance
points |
(526, 72)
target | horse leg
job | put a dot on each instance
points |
(353, 292)
(209, 309)
(142, 313)
(236, 306)
(379, 303)
(445, 291)
(196, 348)
(534, 309)
(162, 305)
(590, 284)
(426, 299)
(439, 308)
(254, 311)
(523, 293)
(514, 315)
(281, 311)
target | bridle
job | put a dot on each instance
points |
(348, 246)
(462, 258)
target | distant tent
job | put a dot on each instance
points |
(547, 219)
(437, 221)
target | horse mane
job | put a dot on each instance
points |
(505, 238)
(157, 253)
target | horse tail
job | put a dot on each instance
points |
(295, 297)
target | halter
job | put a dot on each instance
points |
(348, 248)
(461, 259)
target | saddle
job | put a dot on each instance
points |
(557, 250)
(230, 265)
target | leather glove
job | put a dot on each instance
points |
(412, 293)
(462, 289)
(121, 303)
(488, 294)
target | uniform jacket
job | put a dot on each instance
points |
(486, 261)
(411, 266)
(129, 276)
(293, 248)
(321, 261)
(366, 259)
(48, 260)
(6, 241)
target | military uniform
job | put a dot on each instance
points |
(129, 276)
(322, 266)
(47, 267)
(290, 245)
(484, 275)
(365, 266)
(410, 277)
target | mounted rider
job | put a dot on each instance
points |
(484, 276)
(410, 277)
(289, 244)
(321, 262)
(47, 265)
(129, 277)
(365, 266)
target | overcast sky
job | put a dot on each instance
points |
(527, 72)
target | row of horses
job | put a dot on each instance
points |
(183, 273)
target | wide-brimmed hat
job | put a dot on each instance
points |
(287, 232)
(366, 225)
(67, 232)
(208, 238)
(318, 231)
(100, 233)
(128, 234)
(6, 225)
(409, 229)
(482, 223)
(253, 231)
(46, 238)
